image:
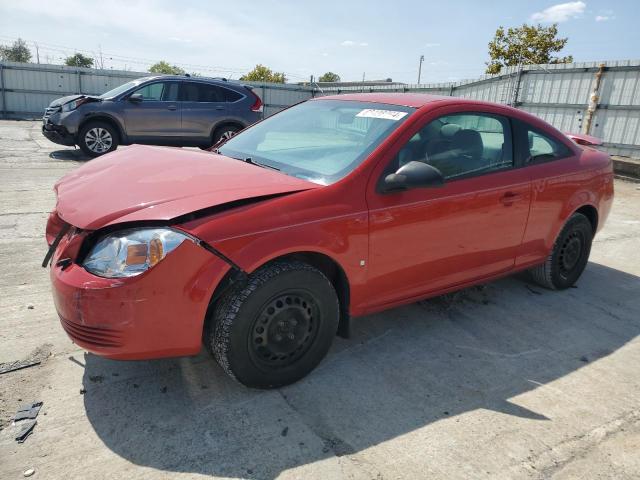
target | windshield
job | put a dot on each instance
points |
(321, 141)
(121, 89)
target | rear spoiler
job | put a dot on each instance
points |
(582, 139)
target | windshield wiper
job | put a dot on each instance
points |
(264, 165)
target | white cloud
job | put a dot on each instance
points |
(431, 45)
(559, 13)
(325, 54)
(351, 43)
(604, 18)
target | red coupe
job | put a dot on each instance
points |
(340, 206)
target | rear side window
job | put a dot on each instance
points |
(542, 148)
(461, 145)
(159, 92)
(203, 92)
(231, 96)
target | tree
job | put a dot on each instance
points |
(264, 74)
(528, 44)
(164, 67)
(79, 60)
(18, 52)
(329, 77)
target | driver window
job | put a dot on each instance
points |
(461, 145)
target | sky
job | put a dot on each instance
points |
(374, 39)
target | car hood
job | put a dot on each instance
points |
(62, 100)
(142, 183)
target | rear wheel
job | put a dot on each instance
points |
(276, 327)
(97, 138)
(225, 133)
(569, 255)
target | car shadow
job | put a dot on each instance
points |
(75, 155)
(402, 369)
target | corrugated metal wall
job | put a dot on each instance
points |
(557, 93)
(26, 89)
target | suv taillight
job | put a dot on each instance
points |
(257, 105)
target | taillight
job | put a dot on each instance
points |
(257, 105)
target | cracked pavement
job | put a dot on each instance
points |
(506, 380)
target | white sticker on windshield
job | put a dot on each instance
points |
(384, 114)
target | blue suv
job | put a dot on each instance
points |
(159, 110)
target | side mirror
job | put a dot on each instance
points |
(135, 98)
(412, 175)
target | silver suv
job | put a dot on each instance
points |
(166, 110)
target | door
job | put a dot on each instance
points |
(428, 239)
(157, 116)
(202, 105)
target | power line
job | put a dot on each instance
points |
(145, 62)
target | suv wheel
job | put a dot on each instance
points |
(97, 138)
(276, 327)
(224, 133)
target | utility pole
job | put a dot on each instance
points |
(420, 68)
(37, 52)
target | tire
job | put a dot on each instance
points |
(569, 255)
(276, 327)
(105, 139)
(224, 132)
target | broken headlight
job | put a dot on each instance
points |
(131, 252)
(69, 106)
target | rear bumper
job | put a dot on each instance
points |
(58, 134)
(159, 313)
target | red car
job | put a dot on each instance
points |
(337, 207)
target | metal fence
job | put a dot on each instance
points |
(26, 89)
(560, 94)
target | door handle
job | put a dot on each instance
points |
(509, 198)
(219, 107)
(172, 107)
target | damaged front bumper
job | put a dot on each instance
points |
(159, 313)
(58, 134)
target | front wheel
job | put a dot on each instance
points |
(276, 327)
(569, 255)
(97, 138)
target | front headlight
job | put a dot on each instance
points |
(131, 252)
(67, 107)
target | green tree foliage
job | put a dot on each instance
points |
(164, 67)
(263, 74)
(17, 52)
(79, 60)
(329, 77)
(528, 44)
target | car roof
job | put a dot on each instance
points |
(192, 78)
(415, 100)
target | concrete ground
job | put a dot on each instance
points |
(503, 381)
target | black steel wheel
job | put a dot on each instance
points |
(569, 255)
(276, 327)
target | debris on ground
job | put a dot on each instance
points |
(26, 429)
(36, 357)
(96, 378)
(28, 411)
(28, 473)
(83, 391)
(284, 432)
(24, 420)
